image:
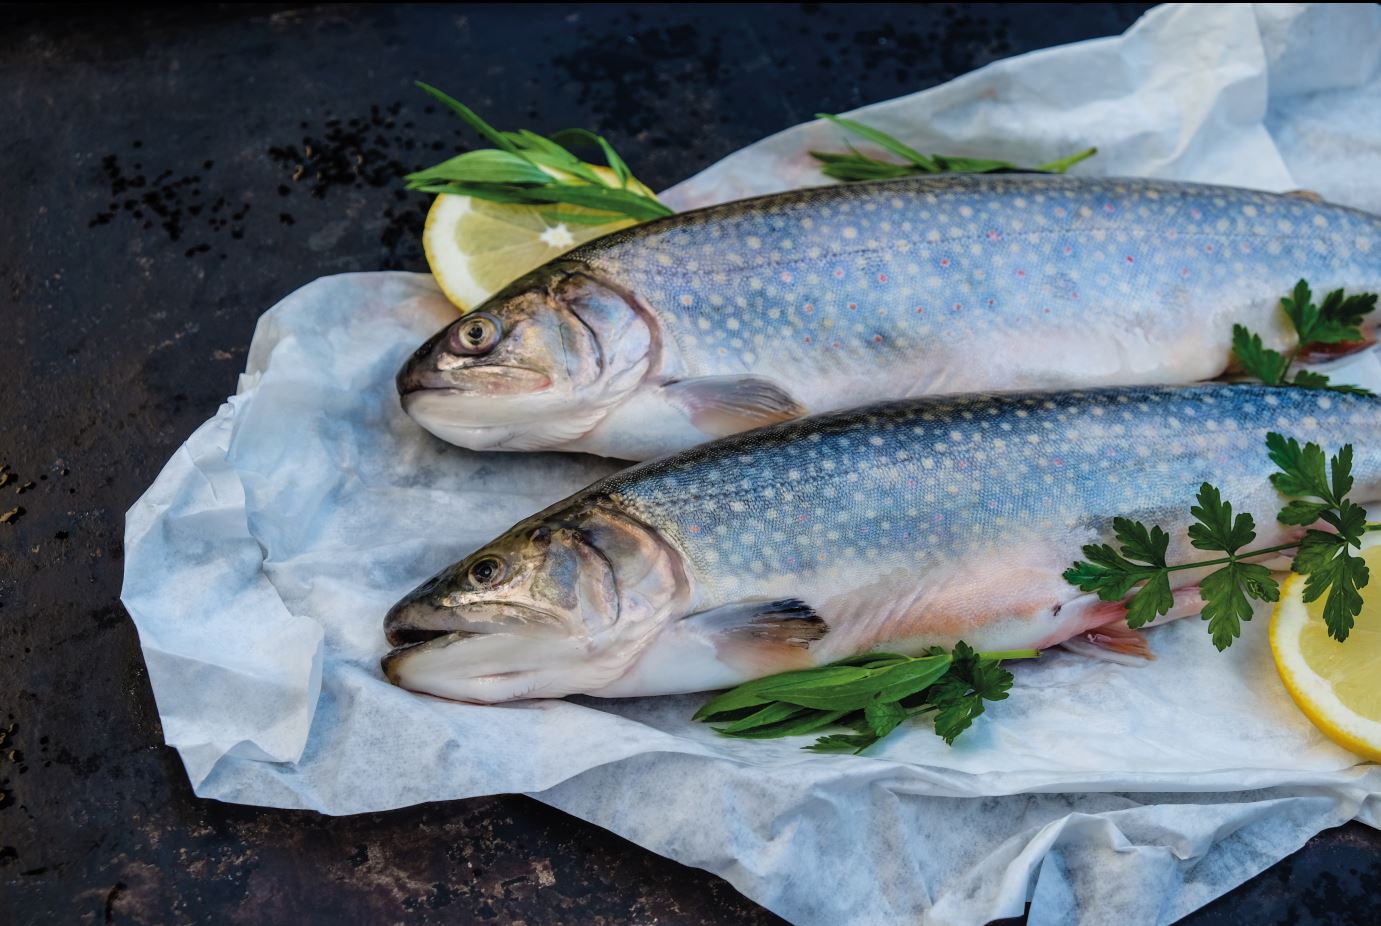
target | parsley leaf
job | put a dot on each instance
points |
(1151, 601)
(1318, 486)
(1303, 470)
(1227, 593)
(1260, 361)
(1216, 528)
(1337, 321)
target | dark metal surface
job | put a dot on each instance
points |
(168, 174)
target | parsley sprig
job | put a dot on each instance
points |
(524, 167)
(1318, 490)
(1337, 321)
(873, 694)
(858, 166)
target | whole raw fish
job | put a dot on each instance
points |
(658, 337)
(894, 527)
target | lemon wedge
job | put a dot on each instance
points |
(1337, 685)
(476, 247)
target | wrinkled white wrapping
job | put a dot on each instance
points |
(261, 561)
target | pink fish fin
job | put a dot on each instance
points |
(1113, 640)
(728, 404)
(1110, 641)
(1322, 353)
(1309, 195)
(761, 637)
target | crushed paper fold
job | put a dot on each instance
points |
(260, 562)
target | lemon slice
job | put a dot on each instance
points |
(476, 247)
(1337, 685)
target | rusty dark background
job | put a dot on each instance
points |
(166, 174)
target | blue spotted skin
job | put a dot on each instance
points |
(976, 283)
(927, 521)
(901, 526)
(836, 297)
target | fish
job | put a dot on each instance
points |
(671, 333)
(897, 527)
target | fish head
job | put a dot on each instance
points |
(534, 367)
(559, 605)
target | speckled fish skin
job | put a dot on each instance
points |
(911, 524)
(864, 292)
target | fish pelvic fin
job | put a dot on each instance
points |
(1111, 641)
(721, 405)
(761, 637)
(1110, 638)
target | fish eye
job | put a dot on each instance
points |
(487, 571)
(476, 333)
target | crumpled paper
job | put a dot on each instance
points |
(261, 561)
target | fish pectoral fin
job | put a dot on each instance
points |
(722, 405)
(761, 636)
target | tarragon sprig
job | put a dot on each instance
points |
(524, 167)
(873, 694)
(858, 166)
(1318, 490)
(1337, 321)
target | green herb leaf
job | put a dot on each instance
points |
(771, 714)
(883, 140)
(807, 721)
(486, 166)
(1267, 365)
(1303, 470)
(1307, 379)
(1060, 165)
(884, 716)
(1319, 487)
(959, 697)
(1299, 308)
(1216, 528)
(858, 166)
(1226, 595)
(843, 742)
(851, 688)
(611, 157)
(1332, 569)
(1340, 468)
(1339, 319)
(873, 693)
(1302, 513)
(1141, 544)
(513, 172)
(1151, 601)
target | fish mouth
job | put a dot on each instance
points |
(483, 668)
(480, 381)
(412, 640)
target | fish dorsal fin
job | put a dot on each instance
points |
(761, 637)
(728, 404)
(1308, 195)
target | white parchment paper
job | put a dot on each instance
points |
(260, 563)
